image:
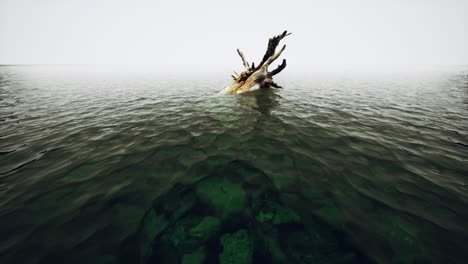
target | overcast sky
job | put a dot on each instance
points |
(203, 34)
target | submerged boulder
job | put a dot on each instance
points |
(237, 248)
(208, 227)
(277, 214)
(222, 196)
(152, 225)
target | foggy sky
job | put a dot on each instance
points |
(203, 34)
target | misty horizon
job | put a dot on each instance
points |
(202, 36)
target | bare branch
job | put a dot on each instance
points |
(274, 57)
(272, 44)
(275, 85)
(271, 83)
(246, 64)
(278, 69)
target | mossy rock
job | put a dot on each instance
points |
(178, 235)
(152, 225)
(242, 171)
(208, 227)
(177, 202)
(237, 248)
(222, 196)
(284, 215)
(300, 247)
(265, 216)
(273, 247)
(277, 214)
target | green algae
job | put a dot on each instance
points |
(284, 215)
(273, 246)
(277, 214)
(265, 216)
(237, 248)
(224, 197)
(208, 227)
(179, 235)
(152, 225)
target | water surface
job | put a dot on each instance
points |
(108, 167)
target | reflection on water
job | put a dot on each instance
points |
(153, 168)
(262, 100)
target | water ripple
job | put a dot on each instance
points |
(382, 158)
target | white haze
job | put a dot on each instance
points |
(202, 35)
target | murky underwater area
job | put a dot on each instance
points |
(107, 167)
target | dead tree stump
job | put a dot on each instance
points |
(258, 77)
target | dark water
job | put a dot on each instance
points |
(157, 168)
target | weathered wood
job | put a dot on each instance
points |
(272, 44)
(259, 77)
(246, 64)
(278, 69)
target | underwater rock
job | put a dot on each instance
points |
(237, 248)
(165, 253)
(224, 197)
(177, 202)
(179, 235)
(270, 244)
(300, 248)
(284, 215)
(323, 207)
(208, 227)
(271, 211)
(265, 216)
(277, 214)
(152, 225)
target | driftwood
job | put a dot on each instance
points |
(254, 77)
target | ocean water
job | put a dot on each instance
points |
(140, 167)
